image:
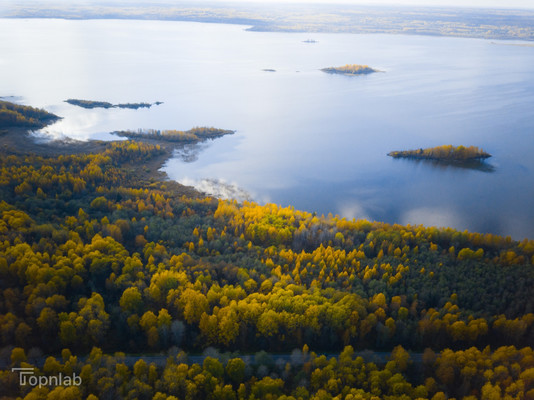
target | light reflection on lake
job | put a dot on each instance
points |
(303, 138)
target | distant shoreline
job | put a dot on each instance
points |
(482, 23)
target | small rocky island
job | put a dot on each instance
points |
(444, 153)
(193, 135)
(105, 104)
(350, 69)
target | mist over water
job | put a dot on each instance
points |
(303, 138)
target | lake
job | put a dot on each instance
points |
(304, 138)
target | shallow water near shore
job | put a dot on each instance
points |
(304, 138)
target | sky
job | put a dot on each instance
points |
(514, 4)
(456, 3)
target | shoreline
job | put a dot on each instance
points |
(18, 141)
(481, 23)
(431, 158)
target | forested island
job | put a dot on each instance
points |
(350, 69)
(117, 275)
(191, 136)
(105, 104)
(445, 153)
(15, 115)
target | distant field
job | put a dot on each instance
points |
(477, 23)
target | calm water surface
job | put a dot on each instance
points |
(303, 138)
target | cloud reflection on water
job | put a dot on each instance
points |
(189, 153)
(440, 217)
(218, 188)
(353, 210)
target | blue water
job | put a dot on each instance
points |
(303, 138)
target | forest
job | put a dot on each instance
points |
(446, 152)
(192, 135)
(12, 114)
(98, 264)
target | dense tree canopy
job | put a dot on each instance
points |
(17, 115)
(95, 260)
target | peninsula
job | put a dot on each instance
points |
(15, 115)
(193, 135)
(446, 153)
(350, 69)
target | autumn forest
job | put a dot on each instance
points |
(148, 291)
